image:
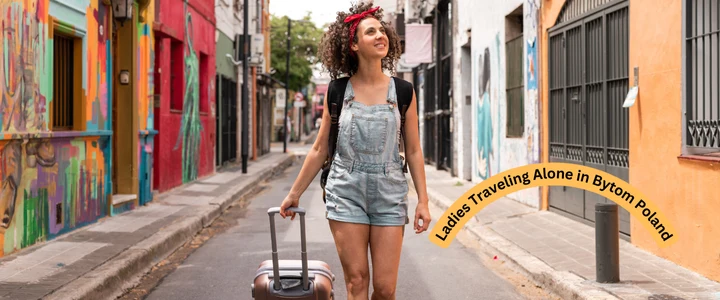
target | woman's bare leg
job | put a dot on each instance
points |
(385, 248)
(351, 241)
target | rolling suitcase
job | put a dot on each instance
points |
(298, 279)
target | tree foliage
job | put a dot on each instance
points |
(304, 40)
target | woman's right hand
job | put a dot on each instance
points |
(290, 201)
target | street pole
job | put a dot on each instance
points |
(287, 85)
(246, 49)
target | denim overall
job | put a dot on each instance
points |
(366, 183)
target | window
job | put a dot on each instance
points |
(514, 74)
(65, 87)
(204, 91)
(700, 87)
(177, 67)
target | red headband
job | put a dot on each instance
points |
(355, 19)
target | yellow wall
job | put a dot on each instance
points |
(684, 189)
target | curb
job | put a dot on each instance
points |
(122, 272)
(562, 283)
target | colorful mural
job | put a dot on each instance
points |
(23, 66)
(531, 90)
(190, 126)
(51, 182)
(146, 98)
(53, 186)
(493, 151)
(484, 122)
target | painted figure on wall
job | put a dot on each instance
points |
(484, 119)
(11, 167)
(23, 106)
(190, 127)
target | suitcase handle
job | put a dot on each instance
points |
(276, 270)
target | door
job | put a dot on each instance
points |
(588, 82)
(438, 95)
(226, 121)
(218, 120)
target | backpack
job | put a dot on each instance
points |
(336, 94)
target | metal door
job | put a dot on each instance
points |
(438, 97)
(588, 82)
(226, 120)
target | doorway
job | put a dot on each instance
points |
(124, 115)
(226, 120)
(466, 108)
(588, 79)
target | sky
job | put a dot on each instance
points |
(323, 11)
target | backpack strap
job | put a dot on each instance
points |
(405, 94)
(336, 97)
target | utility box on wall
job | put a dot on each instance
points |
(257, 45)
(257, 52)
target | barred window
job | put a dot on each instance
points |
(65, 83)
(515, 114)
(702, 108)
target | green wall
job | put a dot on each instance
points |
(222, 63)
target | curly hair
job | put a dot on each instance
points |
(334, 49)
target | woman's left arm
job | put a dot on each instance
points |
(416, 164)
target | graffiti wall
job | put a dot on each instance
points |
(24, 67)
(51, 182)
(50, 186)
(185, 149)
(493, 152)
(188, 139)
(146, 99)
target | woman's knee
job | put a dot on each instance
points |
(384, 290)
(357, 281)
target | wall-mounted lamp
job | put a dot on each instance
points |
(234, 62)
(122, 10)
(124, 77)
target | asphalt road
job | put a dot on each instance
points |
(224, 266)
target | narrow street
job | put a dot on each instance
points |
(221, 262)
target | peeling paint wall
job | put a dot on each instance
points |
(51, 182)
(493, 152)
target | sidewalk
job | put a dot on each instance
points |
(559, 253)
(101, 260)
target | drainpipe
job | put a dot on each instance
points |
(245, 103)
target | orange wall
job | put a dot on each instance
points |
(685, 190)
(549, 11)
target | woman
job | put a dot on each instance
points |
(366, 190)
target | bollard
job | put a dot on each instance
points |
(607, 243)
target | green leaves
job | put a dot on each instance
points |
(305, 38)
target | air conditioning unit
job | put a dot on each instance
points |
(257, 46)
